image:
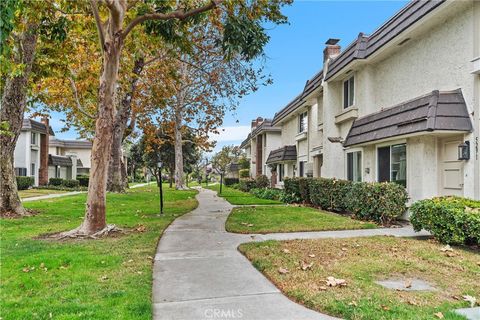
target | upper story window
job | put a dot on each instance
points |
(348, 92)
(34, 138)
(302, 122)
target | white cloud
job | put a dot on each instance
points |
(231, 134)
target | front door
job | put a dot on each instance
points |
(451, 169)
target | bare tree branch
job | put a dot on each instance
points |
(77, 100)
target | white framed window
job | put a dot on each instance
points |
(32, 169)
(33, 138)
(302, 122)
(348, 92)
(392, 164)
(57, 172)
(354, 166)
(20, 172)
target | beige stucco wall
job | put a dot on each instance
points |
(272, 141)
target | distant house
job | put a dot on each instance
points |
(81, 149)
(40, 155)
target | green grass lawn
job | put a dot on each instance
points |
(238, 197)
(266, 219)
(109, 278)
(38, 192)
(361, 262)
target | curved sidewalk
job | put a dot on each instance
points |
(199, 274)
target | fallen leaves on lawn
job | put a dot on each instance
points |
(286, 251)
(104, 278)
(306, 266)
(140, 228)
(446, 248)
(386, 308)
(353, 303)
(334, 282)
(471, 299)
(283, 270)
(439, 315)
(311, 255)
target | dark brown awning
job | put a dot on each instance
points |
(62, 161)
(437, 111)
(286, 153)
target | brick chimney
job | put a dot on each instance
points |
(332, 49)
(44, 145)
(257, 122)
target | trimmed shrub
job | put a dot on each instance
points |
(297, 190)
(262, 181)
(381, 202)
(246, 184)
(244, 173)
(452, 220)
(84, 179)
(235, 186)
(267, 193)
(24, 183)
(55, 181)
(70, 183)
(329, 194)
(230, 181)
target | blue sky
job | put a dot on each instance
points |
(294, 54)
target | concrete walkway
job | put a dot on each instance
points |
(199, 274)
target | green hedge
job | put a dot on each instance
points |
(329, 194)
(244, 173)
(381, 202)
(55, 181)
(70, 183)
(262, 181)
(267, 193)
(230, 181)
(84, 179)
(246, 184)
(23, 183)
(452, 220)
(297, 190)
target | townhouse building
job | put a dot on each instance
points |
(400, 104)
(40, 155)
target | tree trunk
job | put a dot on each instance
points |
(94, 219)
(179, 175)
(117, 177)
(14, 97)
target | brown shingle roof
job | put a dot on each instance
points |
(286, 153)
(364, 46)
(436, 111)
(29, 124)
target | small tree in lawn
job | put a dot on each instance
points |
(222, 159)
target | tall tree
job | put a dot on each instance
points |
(115, 20)
(25, 26)
(227, 155)
(208, 86)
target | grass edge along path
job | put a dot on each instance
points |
(109, 278)
(270, 219)
(299, 268)
(237, 197)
